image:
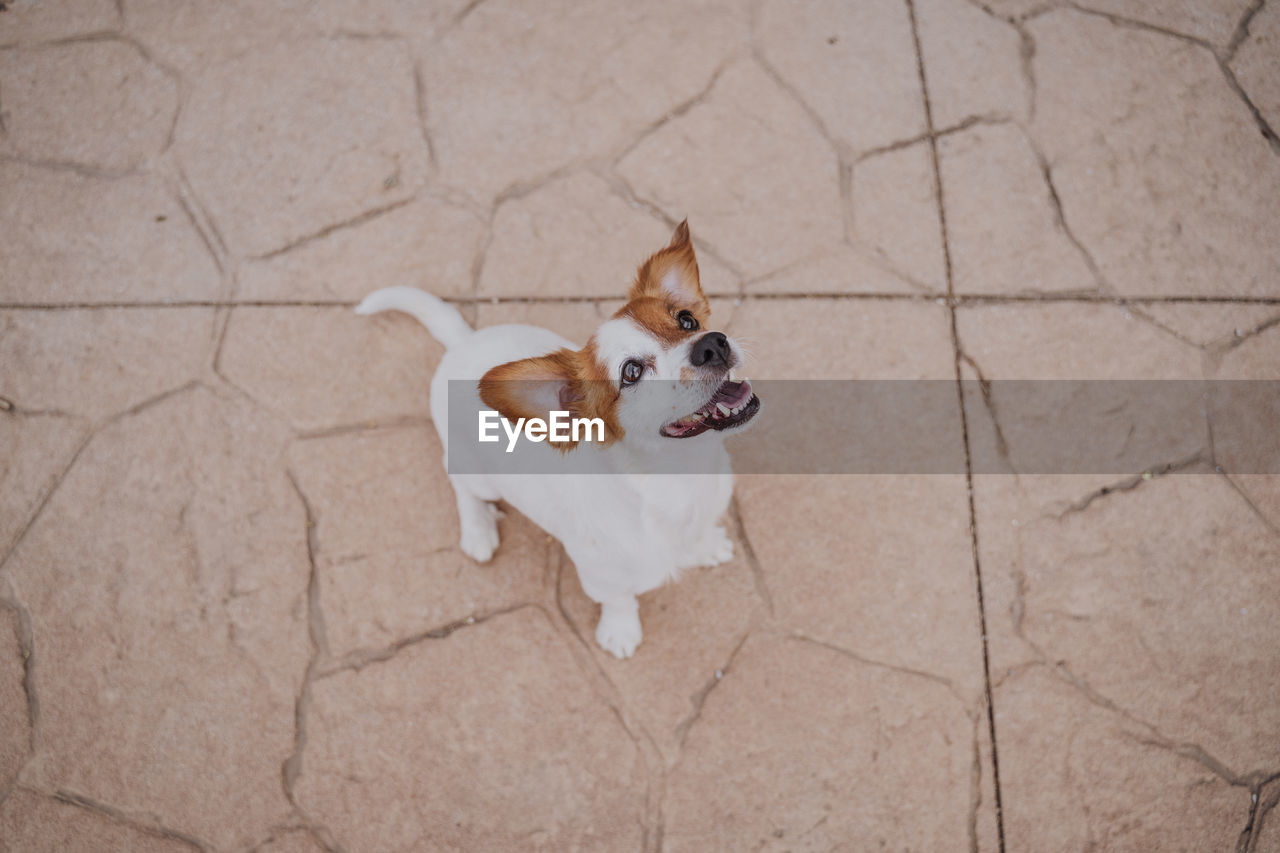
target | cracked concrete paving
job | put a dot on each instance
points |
(233, 613)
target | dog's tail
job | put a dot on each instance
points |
(441, 319)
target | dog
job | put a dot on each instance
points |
(658, 378)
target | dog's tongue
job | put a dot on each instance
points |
(732, 394)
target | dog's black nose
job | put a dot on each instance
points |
(710, 349)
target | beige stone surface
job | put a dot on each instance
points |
(574, 321)
(1077, 775)
(93, 364)
(845, 339)
(94, 104)
(46, 20)
(1153, 593)
(44, 824)
(852, 63)
(895, 214)
(354, 143)
(840, 270)
(748, 136)
(973, 62)
(1159, 597)
(1257, 63)
(546, 74)
(800, 747)
(1023, 250)
(169, 653)
(664, 684)
(413, 739)
(234, 615)
(429, 243)
(376, 369)
(394, 570)
(75, 238)
(1161, 170)
(571, 237)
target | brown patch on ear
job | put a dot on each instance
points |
(565, 381)
(672, 274)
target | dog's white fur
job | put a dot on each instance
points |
(627, 533)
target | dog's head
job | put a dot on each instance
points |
(654, 372)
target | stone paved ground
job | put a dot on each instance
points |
(233, 615)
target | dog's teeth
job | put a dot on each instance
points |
(724, 410)
(697, 416)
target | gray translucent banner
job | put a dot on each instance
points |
(915, 427)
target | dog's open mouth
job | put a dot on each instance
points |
(733, 404)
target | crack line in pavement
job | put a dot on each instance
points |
(672, 114)
(879, 664)
(357, 659)
(940, 202)
(622, 187)
(655, 771)
(1261, 806)
(1060, 216)
(1156, 738)
(988, 400)
(699, 698)
(749, 551)
(291, 768)
(846, 161)
(1272, 525)
(26, 648)
(151, 826)
(420, 101)
(1242, 30)
(983, 119)
(179, 188)
(1130, 483)
(80, 448)
(358, 219)
(84, 171)
(396, 422)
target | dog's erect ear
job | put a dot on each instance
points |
(671, 274)
(535, 387)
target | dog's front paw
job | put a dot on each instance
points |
(722, 549)
(716, 548)
(480, 534)
(618, 633)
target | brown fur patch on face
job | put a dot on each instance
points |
(565, 380)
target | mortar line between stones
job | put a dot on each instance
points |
(964, 432)
(959, 300)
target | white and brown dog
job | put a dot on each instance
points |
(662, 384)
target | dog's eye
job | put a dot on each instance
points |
(687, 321)
(631, 372)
